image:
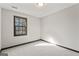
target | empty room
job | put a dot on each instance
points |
(39, 29)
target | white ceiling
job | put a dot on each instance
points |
(31, 9)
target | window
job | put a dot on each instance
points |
(20, 26)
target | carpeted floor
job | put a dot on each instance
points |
(39, 48)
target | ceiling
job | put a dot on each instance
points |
(32, 9)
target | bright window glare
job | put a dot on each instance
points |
(45, 44)
(51, 40)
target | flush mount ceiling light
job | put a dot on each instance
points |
(40, 4)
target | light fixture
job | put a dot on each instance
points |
(40, 4)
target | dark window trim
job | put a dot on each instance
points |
(20, 26)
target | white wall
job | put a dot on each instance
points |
(0, 28)
(8, 39)
(62, 27)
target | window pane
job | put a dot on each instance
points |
(20, 32)
(17, 24)
(23, 28)
(24, 32)
(17, 20)
(21, 24)
(17, 28)
(20, 28)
